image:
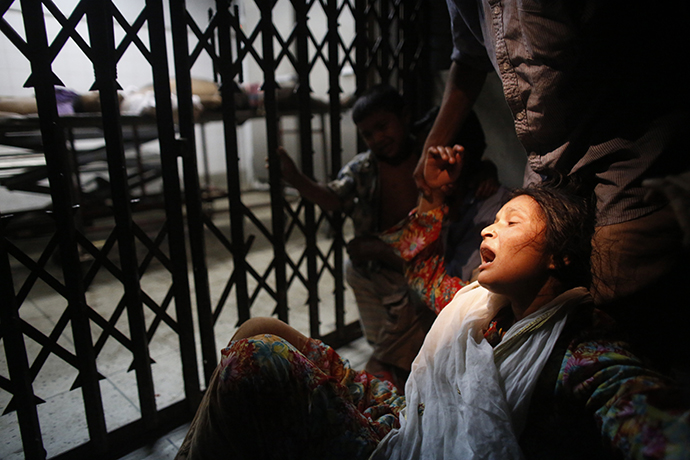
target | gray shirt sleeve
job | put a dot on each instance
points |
(468, 40)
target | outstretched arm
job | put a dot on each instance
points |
(309, 189)
(442, 167)
(462, 89)
(417, 241)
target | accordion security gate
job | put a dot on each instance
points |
(131, 253)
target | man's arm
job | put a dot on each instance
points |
(462, 89)
(315, 192)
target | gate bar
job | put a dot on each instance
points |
(173, 203)
(228, 68)
(102, 38)
(277, 211)
(186, 148)
(307, 157)
(332, 12)
(17, 362)
(60, 178)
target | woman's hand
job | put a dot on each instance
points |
(436, 175)
(442, 167)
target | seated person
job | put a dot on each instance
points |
(518, 365)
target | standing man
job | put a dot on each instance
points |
(596, 91)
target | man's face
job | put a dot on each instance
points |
(384, 133)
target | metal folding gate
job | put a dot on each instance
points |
(68, 262)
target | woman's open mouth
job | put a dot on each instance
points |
(487, 256)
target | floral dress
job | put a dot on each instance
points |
(417, 240)
(308, 402)
(594, 399)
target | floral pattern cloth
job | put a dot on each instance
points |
(417, 241)
(308, 402)
(594, 400)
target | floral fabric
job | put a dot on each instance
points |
(633, 407)
(417, 240)
(596, 400)
(266, 393)
(593, 399)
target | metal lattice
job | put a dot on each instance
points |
(115, 277)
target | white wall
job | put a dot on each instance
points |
(76, 72)
(71, 65)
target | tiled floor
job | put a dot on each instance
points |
(62, 419)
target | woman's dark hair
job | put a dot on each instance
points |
(378, 97)
(569, 220)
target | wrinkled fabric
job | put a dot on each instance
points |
(590, 94)
(466, 399)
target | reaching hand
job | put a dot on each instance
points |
(442, 167)
(288, 169)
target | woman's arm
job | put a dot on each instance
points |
(416, 239)
(273, 326)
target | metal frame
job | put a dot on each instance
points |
(387, 46)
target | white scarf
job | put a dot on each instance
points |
(465, 399)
